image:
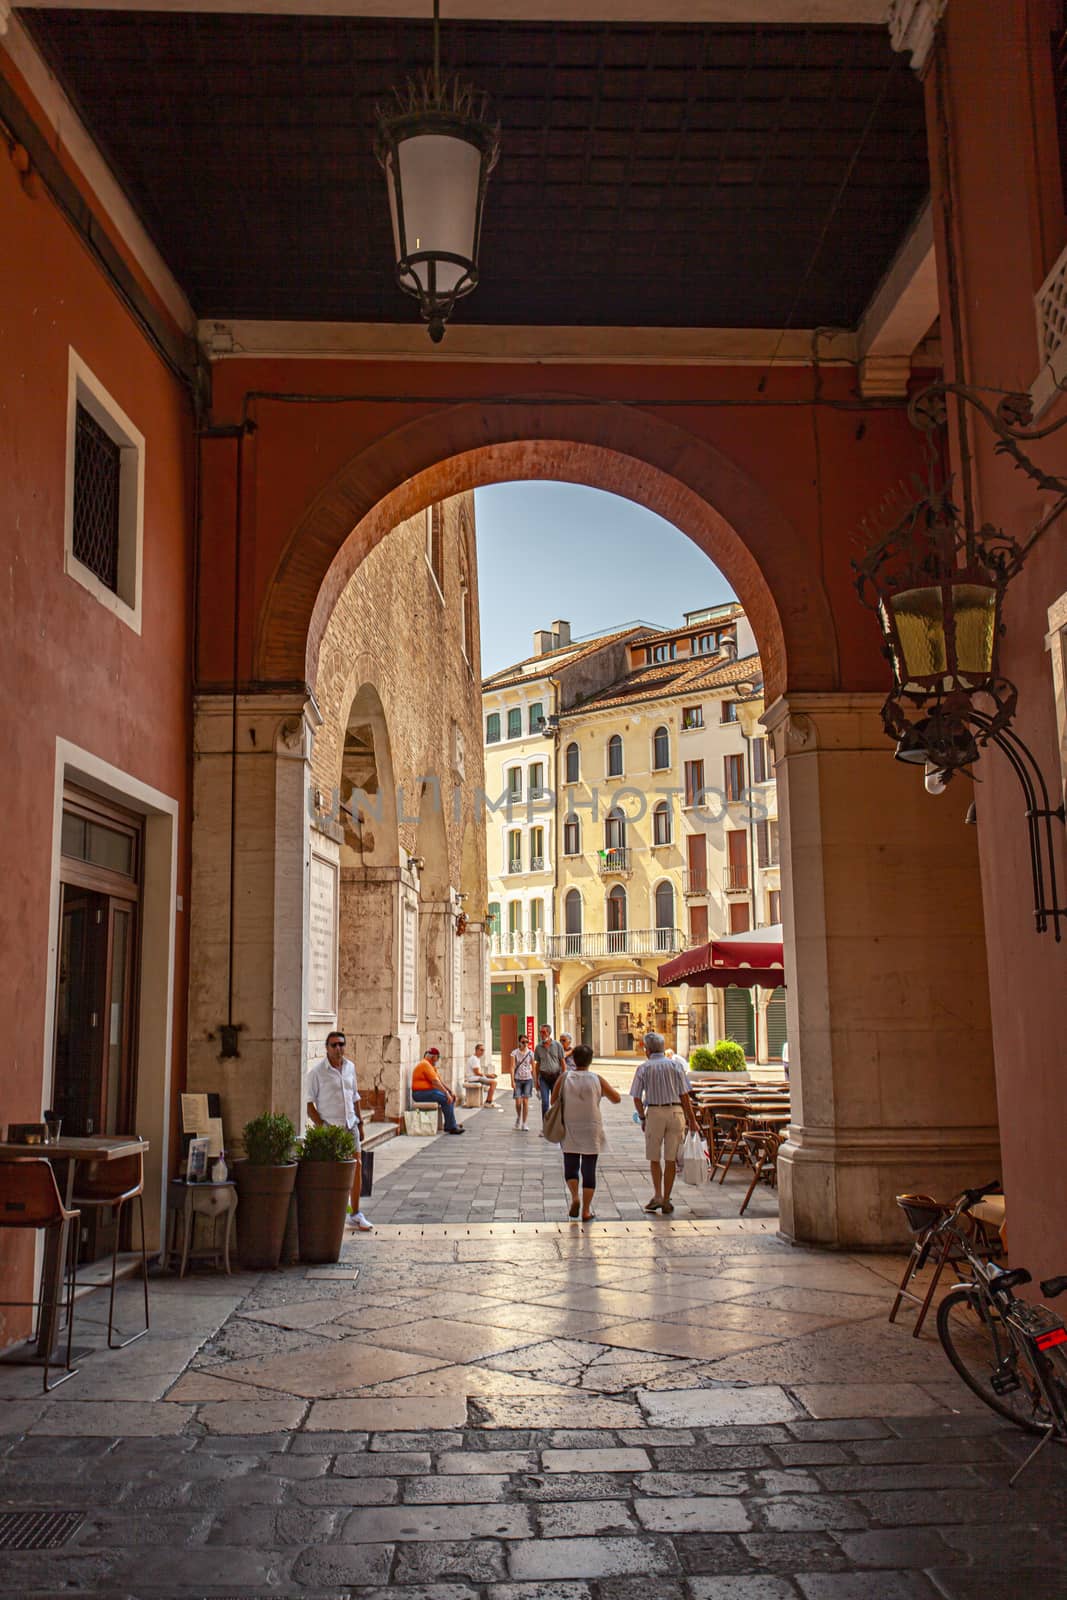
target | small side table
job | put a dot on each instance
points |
(186, 1202)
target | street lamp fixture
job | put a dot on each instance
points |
(437, 149)
(937, 584)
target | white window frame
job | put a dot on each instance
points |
(698, 725)
(665, 727)
(571, 854)
(84, 388)
(662, 844)
(622, 756)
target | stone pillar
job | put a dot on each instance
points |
(383, 1041)
(682, 1041)
(271, 830)
(439, 1009)
(888, 1007)
(476, 1014)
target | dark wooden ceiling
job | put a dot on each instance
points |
(655, 176)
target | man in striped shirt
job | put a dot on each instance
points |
(660, 1092)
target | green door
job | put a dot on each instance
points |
(776, 1025)
(740, 1020)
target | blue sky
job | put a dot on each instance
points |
(548, 550)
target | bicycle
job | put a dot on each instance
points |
(1011, 1354)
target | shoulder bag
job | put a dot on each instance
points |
(553, 1126)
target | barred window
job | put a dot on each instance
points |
(97, 478)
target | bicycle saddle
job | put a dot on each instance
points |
(1051, 1287)
(1011, 1279)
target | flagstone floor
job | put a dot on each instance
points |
(665, 1409)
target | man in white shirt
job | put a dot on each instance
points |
(333, 1096)
(664, 1106)
(477, 1074)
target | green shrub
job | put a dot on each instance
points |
(702, 1059)
(326, 1143)
(728, 1056)
(268, 1140)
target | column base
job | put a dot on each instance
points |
(840, 1193)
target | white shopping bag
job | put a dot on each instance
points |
(421, 1122)
(694, 1162)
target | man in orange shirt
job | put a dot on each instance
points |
(427, 1088)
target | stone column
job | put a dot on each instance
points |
(438, 1009)
(383, 1041)
(888, 1007)
(476, 1015)
(271, 829)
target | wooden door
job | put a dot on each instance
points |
(509, 1038)
(696, 846)
(698, 925)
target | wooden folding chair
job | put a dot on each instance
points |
(923, 1215)
(763, 1145)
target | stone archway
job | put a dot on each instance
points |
(613, 447)
(860, 844)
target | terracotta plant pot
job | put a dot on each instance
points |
(263, 1204)
(323, 1191)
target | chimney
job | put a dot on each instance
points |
(543, 641)
(562, 631)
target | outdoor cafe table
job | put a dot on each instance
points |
(69, 1151)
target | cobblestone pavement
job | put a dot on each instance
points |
(495, 1173)
(665, 1409)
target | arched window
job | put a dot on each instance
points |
(617, 920)
(572, 915)
(661, 823)
(572, 834)
(572, 763)
(661, 750)
(615, 756)
(664, 916)
(615, 829)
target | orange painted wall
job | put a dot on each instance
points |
(1005, 209)
(823, 467)
(71, 669)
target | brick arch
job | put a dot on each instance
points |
(611, 447)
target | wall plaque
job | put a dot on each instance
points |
(409, 944)
(322, 939)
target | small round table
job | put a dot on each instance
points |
(186, 1202)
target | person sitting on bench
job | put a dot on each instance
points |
(427, 1088)
(477, 1074)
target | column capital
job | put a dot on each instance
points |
(805, 722)
(913, 27)
(282, 722)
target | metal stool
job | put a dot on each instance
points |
(30, 1198)
(116, 1183)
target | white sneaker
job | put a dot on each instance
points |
(360, 1223)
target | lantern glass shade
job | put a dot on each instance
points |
(435, 185)
(942, 636)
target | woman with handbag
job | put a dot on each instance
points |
(577, 1095)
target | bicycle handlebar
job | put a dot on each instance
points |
(971, 1197)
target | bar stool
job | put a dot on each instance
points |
(30, 1198)
(117, 1184)
(923, 1215)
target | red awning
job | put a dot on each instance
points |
(748, 960)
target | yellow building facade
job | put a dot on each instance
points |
(667, 836)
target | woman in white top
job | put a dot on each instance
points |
(522, 1079)
(583, 1140)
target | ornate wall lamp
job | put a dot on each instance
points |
(937, 584)
(437, 150)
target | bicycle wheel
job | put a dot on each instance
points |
(979, 1345)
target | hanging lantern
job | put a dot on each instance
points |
(437, 150)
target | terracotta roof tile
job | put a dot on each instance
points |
(669, 680)
(566, 655)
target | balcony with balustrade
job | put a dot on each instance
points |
(519, 942)
(695, 883)
(618, 942)
(735, 880)
(615, 863)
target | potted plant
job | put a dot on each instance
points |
(264, 1181)
(323, 1188)
(726, 1061)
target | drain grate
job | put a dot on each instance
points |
(38, 1530)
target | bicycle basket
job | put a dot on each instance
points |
(921, 1211)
